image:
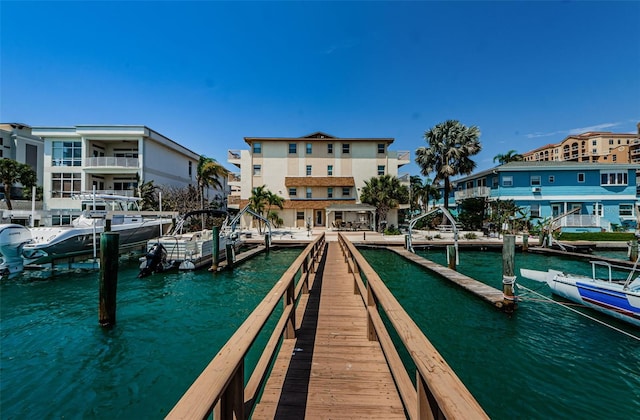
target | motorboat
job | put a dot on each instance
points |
(189, 250)
(81, 239)
(12, 238)
(619, 298)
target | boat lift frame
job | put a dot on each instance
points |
(448, 215)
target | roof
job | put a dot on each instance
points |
(321, 136)
(319, 181)
(311, 204)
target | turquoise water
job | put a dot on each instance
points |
(56, 361)
(542, 362)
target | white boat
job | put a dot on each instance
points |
(12, 238)
(617, 298)
(81, 239)
(188, 250)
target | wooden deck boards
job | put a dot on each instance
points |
(331, 370)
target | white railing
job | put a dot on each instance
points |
(233, 154)
(404, 156)
(473, 193)
(120, 162)
(580, 220)
(234, 177)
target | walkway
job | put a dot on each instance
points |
(331, 370)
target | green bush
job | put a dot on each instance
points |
(470, 235)
(597, 236)
(392, 231)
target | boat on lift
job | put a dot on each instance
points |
(81, 239)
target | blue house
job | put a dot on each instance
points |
(605, 194)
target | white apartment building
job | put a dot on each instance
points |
(18, 143)
(108, 157)
(319, 176)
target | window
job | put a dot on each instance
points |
(626, 209)
(58, 220)
(257, 148)
(494, 182)
(31, 156)
(66, 153)
(293, 192)
(346, 191)
(330, 192)
(380, 169)
(125, 185)
(614, 158)
(257, 170)
(309, 148)
(329, 170)
(507, 181)
(299, 215)
(65, 184)
(293, 148)
(380, 147)
(330, 148)
(594, 142)
(309, 192)
(308, 170)
(345, 147)
(535, 180)
(552, 179)
(610, 141)
(613, 178)
(190, 169)
(534, 210)
(597, 209)
(594, 151)
(580, 177)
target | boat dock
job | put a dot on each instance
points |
(330, 354)
(486, 292)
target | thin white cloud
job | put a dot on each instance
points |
(597, 127)
(344, 45)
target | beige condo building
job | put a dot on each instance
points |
(319, 176)
(600, 147)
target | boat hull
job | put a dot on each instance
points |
(603, 296)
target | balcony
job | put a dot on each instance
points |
(404, 157)
(580, 220)
(111, 162)
(476, 192)
(234, 157)
(234, 178)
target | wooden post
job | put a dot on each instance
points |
(107, 225)
(229, 255)
(108, 278)
(525, 242)
(508, 272)
(216, 248)
(364, 235)
(267, 242)
(451, 256)
(633, 254)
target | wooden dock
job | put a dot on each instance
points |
(488, 293)
(331, 369)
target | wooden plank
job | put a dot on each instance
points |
(332, 370)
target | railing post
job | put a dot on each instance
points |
(508, 272)
(427, 404)
(231, 403)
(371, 306)
(289, 299)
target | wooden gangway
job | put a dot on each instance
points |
(330, 354)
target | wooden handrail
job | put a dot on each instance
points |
(438, 392)
(219, 386)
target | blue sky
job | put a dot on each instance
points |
(208, 74)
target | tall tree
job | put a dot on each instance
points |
(450, 147)
(385, 192)
(510, 156)
(209, 174)
(13, 172)
(147, 192)
(259, 198)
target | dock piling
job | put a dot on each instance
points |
(633, 252)
(451, 256)
(108, 278)
(525, 242)
(216, 248)
(229, 256)
(508, 272)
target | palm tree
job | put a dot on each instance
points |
(510, 156)
(259, 198)
(450, 147)
(415, 192)
(147, 192)
(13, 172)
(208, 174)
(384, 192)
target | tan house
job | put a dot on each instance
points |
(600, 147)
(319, 176)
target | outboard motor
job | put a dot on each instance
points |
(155, 261)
